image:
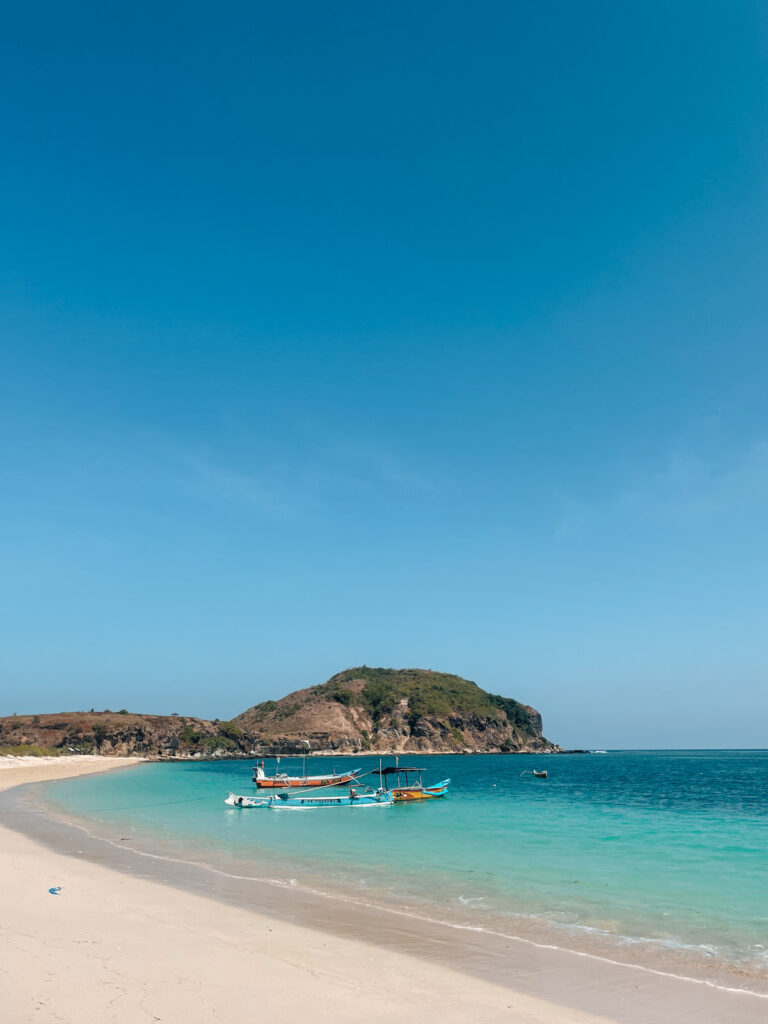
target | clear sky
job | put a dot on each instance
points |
(406, 334)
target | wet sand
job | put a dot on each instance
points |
(135, 938)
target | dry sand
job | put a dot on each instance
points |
(113, 948)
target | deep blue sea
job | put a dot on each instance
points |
(651, 853)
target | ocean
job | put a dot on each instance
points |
(651, 857)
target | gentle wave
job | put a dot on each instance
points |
(648, 855)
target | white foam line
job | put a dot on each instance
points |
(421, 917)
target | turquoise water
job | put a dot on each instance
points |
(646, 850)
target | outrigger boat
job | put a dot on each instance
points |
(287, 801)
(406, 784)
(247, 801)
(280, 780)
(540, 775)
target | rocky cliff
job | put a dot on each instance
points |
(122, 733)
(362, 709)
(375, 709)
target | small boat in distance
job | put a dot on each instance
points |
(280, 780)
(406, 784)
(540, 775)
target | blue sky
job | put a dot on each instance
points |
(410, 335)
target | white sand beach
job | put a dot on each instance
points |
(113, 948)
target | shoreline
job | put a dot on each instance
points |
(309, 900)
(501, 976)
(292, 755)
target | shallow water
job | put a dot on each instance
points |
(661, 851)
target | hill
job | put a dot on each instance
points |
(121, 733)
(373, 709)
(361, 709)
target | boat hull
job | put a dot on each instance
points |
(296, 782)
(233, 800)
(287, 802)
(405, 794)
(309, 803)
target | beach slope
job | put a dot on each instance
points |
(111, 948)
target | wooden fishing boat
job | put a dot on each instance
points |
(289, 801)
(407, 784)
(281, 780)
(540, 775)
(372, 798)
(247, 801)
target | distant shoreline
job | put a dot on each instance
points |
(231, 756)
(12, 760)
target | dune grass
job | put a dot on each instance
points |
(29, 750)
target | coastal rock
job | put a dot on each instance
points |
(359, 710)
(375, 709)
(120, 733)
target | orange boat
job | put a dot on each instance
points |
(410, 786)
(282, 781)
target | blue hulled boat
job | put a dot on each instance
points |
(289, 801)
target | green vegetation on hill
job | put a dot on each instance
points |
(361, 708)
(516, 712)
(29, 750)
(428, 693)
(120, 732)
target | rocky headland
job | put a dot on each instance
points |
(375, 709)
(360, 710)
